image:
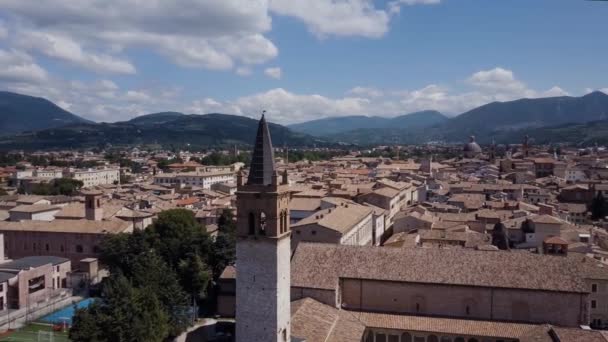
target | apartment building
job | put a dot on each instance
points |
(201, 179)
(94, 177)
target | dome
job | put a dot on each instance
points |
(472, 147)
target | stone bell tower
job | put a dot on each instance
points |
(263, 248)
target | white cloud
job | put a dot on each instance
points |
(243, 71)
(497, 79)
(273, 73)
(554, 91)
(3, 30)
(336, 17)
(283, 106)
(193, 33)
(19, 67)
(137, 96)
(104, 100)
(366, 91)
(64, 48)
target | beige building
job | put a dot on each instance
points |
(95, 177)
(201, 179)
(37, 212)
(71, 239)
(345, 224)
(31, 280)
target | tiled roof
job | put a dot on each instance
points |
(318, 322)
(304, 203)
(321, 266)
(34, 208)
(444, 325)
(67, 226)
(341, 218)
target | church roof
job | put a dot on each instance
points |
(321, 266)
(262, 160)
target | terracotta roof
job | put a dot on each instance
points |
(76, 211)
(321, 266)
(341, 218)
(305, 203)
(67, 226)
(444, 325)
(34, 208)
(547, 219)
(317, 322)
(228, 273)
(187, 201)
(555, 240)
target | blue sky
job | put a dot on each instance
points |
(115, 59)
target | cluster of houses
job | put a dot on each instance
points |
(496, 244)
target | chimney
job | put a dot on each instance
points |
(92, 205)
(1, 247)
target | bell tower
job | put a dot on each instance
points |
(263, 248)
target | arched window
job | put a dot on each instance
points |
(446, 339)
(432, 338)
(262, 223)
(406, 337)
(251, 223)
(281, 228)
(79, 249)
(285, 222)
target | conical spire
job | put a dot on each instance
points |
(262, 160)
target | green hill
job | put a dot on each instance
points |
(19, 113)
(197, 131)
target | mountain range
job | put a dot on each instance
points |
(35, 123)
(503, 122)
(180, 131)
(335, 125)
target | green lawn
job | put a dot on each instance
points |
(30, 333)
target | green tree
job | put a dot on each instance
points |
(85, 325)
(152, 272)
(598, 207)
(527, 226)
(195, 275)
(176, 234)
(124, 313)
(224, 246)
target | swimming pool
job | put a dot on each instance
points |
(66, 314)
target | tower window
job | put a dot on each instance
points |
(262, 223)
